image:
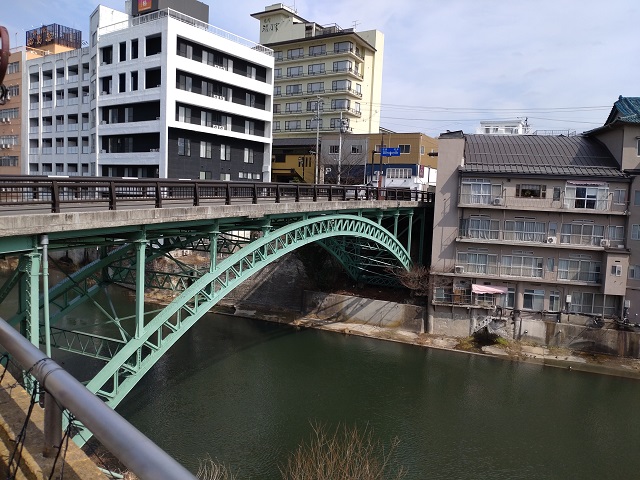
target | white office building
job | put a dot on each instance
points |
(157, 93)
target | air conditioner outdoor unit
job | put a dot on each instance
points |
(497, 201)
(552, 239)
(604, 243)
(459, 269)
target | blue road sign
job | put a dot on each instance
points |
(390, 152)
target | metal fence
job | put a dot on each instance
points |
(57, 194)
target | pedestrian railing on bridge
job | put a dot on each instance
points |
(57, 194)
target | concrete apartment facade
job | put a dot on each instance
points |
(529, 229)
(158, 93)
(11, 116)
(322, 71)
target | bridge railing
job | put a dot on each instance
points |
(58, 194)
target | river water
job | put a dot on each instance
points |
(245, 392)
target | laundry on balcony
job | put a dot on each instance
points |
(491, 289)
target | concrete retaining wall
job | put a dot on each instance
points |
(343, 308)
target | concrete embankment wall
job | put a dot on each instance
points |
(379, 313)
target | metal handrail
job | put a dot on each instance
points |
(127, 443)
(77, 193)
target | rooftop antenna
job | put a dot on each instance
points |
(355, 24)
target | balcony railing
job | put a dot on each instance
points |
(586, 205)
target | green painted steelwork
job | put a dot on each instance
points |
(362, 240)
(132, 360)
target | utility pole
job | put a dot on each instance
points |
(340, 149)
(317, 118)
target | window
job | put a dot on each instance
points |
(13, 67)
(206, 118)
(339, 123)
(278, 55)
(294, 89)
(134, 48)
(579, 270)
(293, 125)
(205, 149)
(637, 150)
(250, 127)
(277, 108)
(478, 191)
(399, 173)
(251, 71)
(122, 81)
(184, 114)
(405, 148)
(582, 233)
(316, 69)
(293, 107)
(554, 301)
(635, 232)
(294, 53)
(341, 85)
(314, 106)
(184, 147)
(421, 149)
(616, 233)
(334, 149)
(134, 81)
(248, 155)
(277, 90)
(595, 303)
(13, 90)
(356, 149)
(277, 72)
(525, 230)
(276, 126)
(478, 262)
(342, 66)
(634, 272)
(522, 265)
(593, 198)
(533, 300)
(314, 124)
(551, 264)
(616, 270)
(619, 196)
(480, 226)
(184, 82)
(527, 190)
(123, 51)
(225, 177)
(294, 71)
(511, 297)
(315, 87)
(342, 47)
(557, 191)
(317, 50)
(340, 104)
(225, 154)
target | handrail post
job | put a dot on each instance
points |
(315, 192)
(52, 426)
(196, 194)
(227, 200)
(277, 193)
(55, 199)
(330, 192)
(158, 195)
(297, 192)
(112, 196)
(255, 194)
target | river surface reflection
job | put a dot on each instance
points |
(244, 392)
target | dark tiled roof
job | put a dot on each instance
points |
(539, 155)
(626, 109)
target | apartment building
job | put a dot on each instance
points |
(157, 93)
(621, 135)
(11, 116)
(529, 228)
(325, 76)
(505, 127)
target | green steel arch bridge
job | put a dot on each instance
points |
(129, 225)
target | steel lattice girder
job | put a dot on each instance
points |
(133, 360)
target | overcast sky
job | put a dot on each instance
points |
(449, 64)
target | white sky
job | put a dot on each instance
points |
(450, 63)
